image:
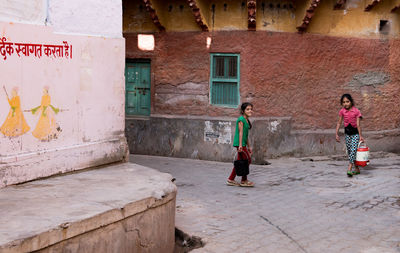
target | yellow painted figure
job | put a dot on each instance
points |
(46, 128)
(15, 124)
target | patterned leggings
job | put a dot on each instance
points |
(351, 145)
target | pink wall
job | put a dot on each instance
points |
(87, 88)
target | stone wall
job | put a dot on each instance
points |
(211, 138)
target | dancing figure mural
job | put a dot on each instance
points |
(47, 128)
(15, 123)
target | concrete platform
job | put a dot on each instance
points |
(119, 208)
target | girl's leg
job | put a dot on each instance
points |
(231, 179)
(233, 174)
(353, 144)
(349, 168)
(246, 155)
(356, 141)
(348, 148)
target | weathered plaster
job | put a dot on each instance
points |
(276, 15)
(372, 78)
(210, 138)
(283, 74)
(175, 15)
(136, 17)
(91, 17)
(22, 11)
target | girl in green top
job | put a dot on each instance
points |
(241, 142)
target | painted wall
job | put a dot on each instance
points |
(92, 17)
(175, 15)
(274, 15)
(21, 11)
(136, 17)
(66, 104)
(280, 16)
(283, 74)
(227, 15)
(354, 21)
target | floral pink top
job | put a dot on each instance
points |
(350, 116)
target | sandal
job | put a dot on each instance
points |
(232, 182)
(247, 183)
(349, 173)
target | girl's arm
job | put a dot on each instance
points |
(240, 136)
(337, 128)
(359, 129)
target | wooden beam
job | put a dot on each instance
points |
(371, 5)
(339, 5)
(308, 16)
(153, 15)
(397, 7)
(197, 15)
(251, 8)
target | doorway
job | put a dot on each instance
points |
(137, 88)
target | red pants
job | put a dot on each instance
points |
(245, 155)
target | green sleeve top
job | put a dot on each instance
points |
(246, 128)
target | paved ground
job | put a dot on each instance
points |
(298, 205)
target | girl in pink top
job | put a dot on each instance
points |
(352, 129)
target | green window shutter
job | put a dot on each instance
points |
(224, 80)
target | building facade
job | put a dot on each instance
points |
(291, 59)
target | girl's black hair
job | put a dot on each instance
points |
(348, 96)
(243, 108)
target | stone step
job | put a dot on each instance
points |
(115, 208)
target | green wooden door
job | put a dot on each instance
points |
(137, 88)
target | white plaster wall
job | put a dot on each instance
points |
(23, 11)
(93, 17)
(90, 90)
(86, 17)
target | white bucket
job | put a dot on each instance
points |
(362, 155)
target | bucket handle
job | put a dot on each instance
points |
(359, 144)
